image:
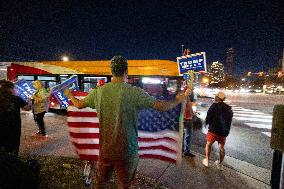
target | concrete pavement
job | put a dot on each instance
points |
(189, 174)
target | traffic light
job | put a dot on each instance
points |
(279, 74)
(249, 73)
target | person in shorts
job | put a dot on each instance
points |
(219, 118)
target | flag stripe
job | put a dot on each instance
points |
(158, 152)
(160, 134)
(86, 146)
(88, 151)
(89, 157)
(167, 144)
(83, 119)
(74, 109)
(154, 139)
(158, 148)
(82, 114)
(85, 140)
(83, 130)
(84, 135)
(83, 125)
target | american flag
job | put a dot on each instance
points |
(159, 133)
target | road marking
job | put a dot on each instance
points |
(253, 119)
(253, 115)
(267, 133)
(243, 109)
(259, 125)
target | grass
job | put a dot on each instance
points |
(63, 172)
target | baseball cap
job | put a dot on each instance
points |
(221, 95)
(101, 82)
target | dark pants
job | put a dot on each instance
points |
(125, 171)
(187, 136)
(11, 146)
(40, 123)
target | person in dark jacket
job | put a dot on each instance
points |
(10, 118)
(219, 118)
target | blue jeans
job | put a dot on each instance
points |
(187, 136)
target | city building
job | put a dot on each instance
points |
(230, 61)
(216, 72)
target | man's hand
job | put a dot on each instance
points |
(188, 91)
(68, 93)
(76, 102)
(183, 95)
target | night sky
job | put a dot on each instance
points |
(96, 30)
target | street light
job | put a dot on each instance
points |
(205, 80)
(65, 58)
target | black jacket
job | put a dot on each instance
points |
(219, 117)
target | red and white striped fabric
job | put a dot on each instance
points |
(163, 145)
(84, 127)
(84, 131)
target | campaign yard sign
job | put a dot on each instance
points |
(195, 62)
(24, 89)
(58, 91)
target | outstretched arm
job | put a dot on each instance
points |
(163, 105)
(76, 102)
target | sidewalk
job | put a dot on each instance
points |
(190, 174)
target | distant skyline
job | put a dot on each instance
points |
(96, 30)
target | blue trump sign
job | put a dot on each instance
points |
(195, 62)
(24, 89)
(58, 90)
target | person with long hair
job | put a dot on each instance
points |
(10, 118)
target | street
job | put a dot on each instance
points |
(249, 139)
(247, 149)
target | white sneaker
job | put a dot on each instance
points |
(89, 181)
(87, 169)
(205, 162)
(219, 165)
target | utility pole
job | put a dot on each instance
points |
(283, 62)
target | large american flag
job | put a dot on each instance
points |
(159, 133)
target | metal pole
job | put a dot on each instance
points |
(276, 169)
(282, 174)
(182, 50)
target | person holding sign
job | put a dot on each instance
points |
(188, 126)
(40, 106)
(10, 118)
(117, 104)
